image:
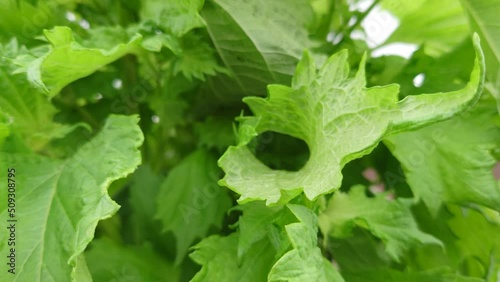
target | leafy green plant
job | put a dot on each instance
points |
(249, 140)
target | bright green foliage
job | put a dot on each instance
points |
(68, 61)
(216, 132)
(389, 220)
(216, 253)
(260, 42)
(483, 19)
(473, 254)
(4, 127)
(480, 252)
(196, 60)
(402, 9)
(278, 146)
(176, 17)
(32, 112)
(439, 25)
(304, 261)
(338, 118)
(298, 259)
(190, 201)
(389, 275)
(145, 186)
(439, 170)
(18, 19)
(61, 201)
(110, 261)
(256, 224)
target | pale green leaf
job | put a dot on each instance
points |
(429, 257)
(439, 25)
(25, 21)
(260, 42)
(219, 260)
(175, 16)
(401, 9)
(109, 261)
(415, 108)
(60, 202)
(156, 42)
(304, 262)
(338, 118)
(255, 224)
(103, 37)
(68, 61)
(442, 164)
(453, 67)
(471, 241)
(483, 18)
(30, 112)
(477, 233)
(82, 272)
(190, 201)
(390, 221)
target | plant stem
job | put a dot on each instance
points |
(359, 20)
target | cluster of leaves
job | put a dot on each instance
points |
(119, 118)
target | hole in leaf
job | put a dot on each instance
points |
(280, 151)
